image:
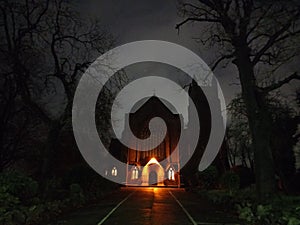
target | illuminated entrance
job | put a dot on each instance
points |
(153, 174)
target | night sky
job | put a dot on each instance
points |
(145, 20)
(137, 20)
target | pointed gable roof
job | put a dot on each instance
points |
(153, 104)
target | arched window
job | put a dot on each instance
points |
(114, 171)
(171, 174)
(135, 174)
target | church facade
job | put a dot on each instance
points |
(145, 168)
(153, 168)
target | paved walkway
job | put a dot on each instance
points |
(150, 206)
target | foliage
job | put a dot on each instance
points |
(220, 197)
(269, 214)
(209, 177)
(281, 209)
(76, 195)
(259, 38)
(284, 125)
(231, 181)
(8, 205)
(92, 184)
(22, 203)
(54, 189)
(80, 174)
(46, 46)
(238, 135)
(245, 174)
(98, 187)
(19, 185)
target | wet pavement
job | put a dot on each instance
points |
(150, 206)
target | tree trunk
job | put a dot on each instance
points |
(50, 151)
(259, 122)
(263, 159)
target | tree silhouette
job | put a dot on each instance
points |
(46, 46)
(260, 38)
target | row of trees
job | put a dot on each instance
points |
(45, 47)
(284, 138)
(261, 38)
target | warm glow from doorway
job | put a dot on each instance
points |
(153, 161)
(153, 166)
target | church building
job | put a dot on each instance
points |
(146, 168)
(154, 169)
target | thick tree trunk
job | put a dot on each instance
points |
(263, 159)
(51, 150)
(259, 122)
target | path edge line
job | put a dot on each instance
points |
(114, 209)
(185, 211)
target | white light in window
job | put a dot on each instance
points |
(114, 172)
(135, 174)
(171, 174)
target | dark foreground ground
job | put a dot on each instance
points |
(150, 206)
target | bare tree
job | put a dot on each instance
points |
(47, 47)
(259, 38)
(16, 124)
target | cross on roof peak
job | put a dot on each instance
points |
(154, 94)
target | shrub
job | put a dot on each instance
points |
(230, 181)
(209, 177)
(54, 190)
(99, 187)
(21, 203)
(221, 198)
(245, 174)
(268, 214)
(80, 174)
(11, 210)
(280, 210)
(19, 185)
(7, 200)
(76, 195)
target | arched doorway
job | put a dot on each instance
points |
(152, 178)
(158, 175)
(153, 173)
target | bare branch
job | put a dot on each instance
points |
(208, 3)
(275, 38)
(200, 10)
(220, 60)
(210, 20)
(258, 21)
(274, 86)
(256, 37)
